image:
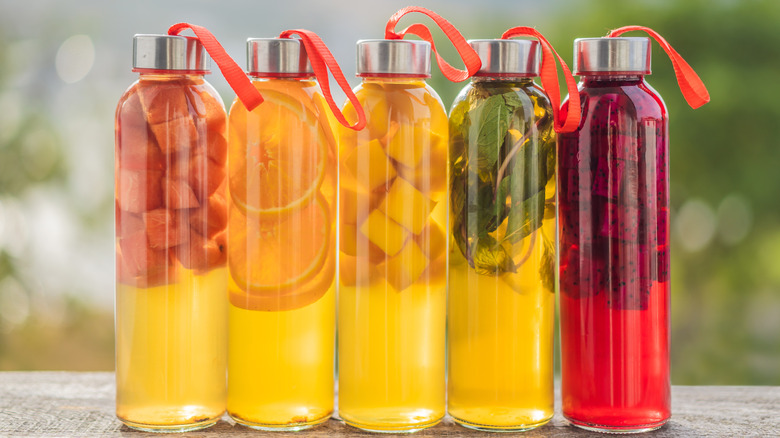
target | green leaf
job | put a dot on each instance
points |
(489, 257)
(492, 119)
(525, 217)
(547, 266)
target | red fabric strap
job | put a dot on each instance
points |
(691, 85)
(234, 75)
(467, 54)
(321, 60)
(549, 76)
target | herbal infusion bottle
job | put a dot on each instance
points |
(502, 259)
(171, 308)
(614, 243)
(282, 235)
(393, 244)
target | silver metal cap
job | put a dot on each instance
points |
(507, 57)
(285, 56)
(622, 54)
(169, 52)
(393, 57)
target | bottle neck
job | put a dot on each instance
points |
(612, 78)
(393, 79)
(170, 75)
(282, 76)
(514, 80)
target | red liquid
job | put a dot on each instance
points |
(614, 263)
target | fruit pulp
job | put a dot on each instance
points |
(170, 254)
(614, 263)
(392, 262)
(281, 258)
(170, 366)
(502, 265)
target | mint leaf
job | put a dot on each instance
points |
(489, 257)
(525, 216)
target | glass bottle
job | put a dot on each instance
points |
(614, 243)
(502, 259)
(282, 235)
(393, 245)
(171, 310)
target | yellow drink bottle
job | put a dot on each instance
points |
(171, 306)
(393, 244)
(502, 259)
(282, 236)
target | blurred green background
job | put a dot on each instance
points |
(64, 65)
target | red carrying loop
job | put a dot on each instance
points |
(691, 85)
(467, 54)
(234, 75)
(549, 76)
(321, 60)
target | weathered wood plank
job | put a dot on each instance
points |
(47, 404)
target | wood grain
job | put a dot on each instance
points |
(49, 404)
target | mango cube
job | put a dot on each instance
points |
(406, 267)
(407, 206)
(432, 240)
(369, 165)
(384, 232)
(409, 144)
(355, 244)
(355, 205)
(354, 271)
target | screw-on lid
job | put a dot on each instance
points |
(507, 57)
(169, 52)
(286, 56)
(619, 54)
(393, 57)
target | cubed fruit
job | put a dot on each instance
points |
(163, 101)
(620, 222)
(581, 276)
(410, 144)
(200, 253)
(384, 232)
(407, 206)
(131, 114)
(139, 191)
(211, 217)
(164, 228)
(355, 205)
(127, 223)
(355, 244)
(431, 175)
(216, 146)
(176, 135)
(368, 164)
(178, 194)
(354, 271)
(375, 105)
(439, 122)
(406, 267)
(140, 265)
(608, 178)
(138, 150)
(204, 176)
(432, 240)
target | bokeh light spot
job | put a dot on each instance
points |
(75, 58)
(695, 225)
(735, 218)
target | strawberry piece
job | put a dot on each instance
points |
(164, 230)
(178, 194)
(138, 191)
(211, 217)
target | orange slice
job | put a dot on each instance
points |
(278, 156)
(266, 255)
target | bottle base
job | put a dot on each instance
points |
(622, 430)
(172, 428)
(502, 428)
(287, 427)
(391, 427)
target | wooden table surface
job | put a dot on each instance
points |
(69, 404)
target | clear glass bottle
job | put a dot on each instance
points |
(502, 259)
(393, 245)
(614, 243)
(282, 235)
(171, 308)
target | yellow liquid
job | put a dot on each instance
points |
(280, 365)
(171, 353)
(392, 295)
(391, 356)
(501, 343)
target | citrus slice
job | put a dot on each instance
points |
(278, 156)
(268, 255)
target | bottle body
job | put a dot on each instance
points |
(502, 258)
(392, 260)
(614, 258)
(282, 263)
(171, 325)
